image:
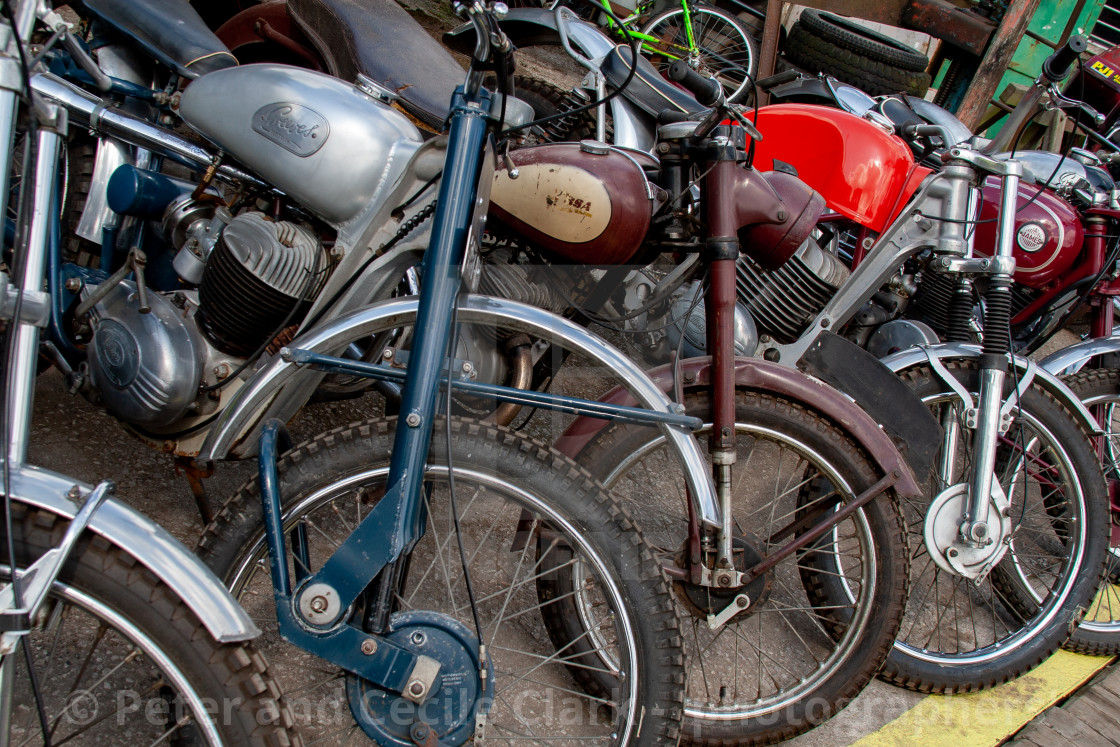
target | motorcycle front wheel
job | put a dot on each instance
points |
(525, 513)
(960, 635)
(783, 665)
(118, 658)
(1099, 631)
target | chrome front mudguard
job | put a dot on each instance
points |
(1048, 380)
(1071, 359)
(149, 543)
(281, 388)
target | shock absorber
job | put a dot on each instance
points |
(559, 130)
(997, 316)
(960, 311)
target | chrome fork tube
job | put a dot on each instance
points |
(25, 348)
(993, 373)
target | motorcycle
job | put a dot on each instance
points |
(924, 218)
(333, 476)
(109, 623)
(1065, 264)
(382, 243)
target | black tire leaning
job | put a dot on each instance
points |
(1021, 638)
(874, 77)
(1099, 631)
(232, 676)
(842, 32)
(631, 463)
(350, 461)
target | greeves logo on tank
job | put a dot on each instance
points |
(293, 127)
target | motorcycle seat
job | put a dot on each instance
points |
(170, 31)
(648, 90)
(380, 40)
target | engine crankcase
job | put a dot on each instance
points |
(146, 367)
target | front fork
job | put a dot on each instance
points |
(976, 524)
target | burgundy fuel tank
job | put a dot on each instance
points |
(1048, 233)
(583, 202)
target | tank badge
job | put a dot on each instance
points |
(293, 127)
(1031, 237)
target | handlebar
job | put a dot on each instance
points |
(707, 91)
(1057, 66)
(779, 79)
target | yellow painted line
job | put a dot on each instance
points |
(988, 717)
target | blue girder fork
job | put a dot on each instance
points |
(396, 522)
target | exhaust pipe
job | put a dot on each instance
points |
(92, 111)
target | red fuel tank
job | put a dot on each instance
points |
(1048, 233)
(862, 172)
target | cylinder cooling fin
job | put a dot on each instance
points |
(784, 301)
(259, 273)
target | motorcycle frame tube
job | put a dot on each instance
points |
(946, 193)
(148, 542)
(268, 391)
(92, 111)
(1044, 375)
(760, 375)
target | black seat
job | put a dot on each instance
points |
(380, 40)
(169, 30)
(648, 90)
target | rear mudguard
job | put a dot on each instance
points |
(536, 27)
(953, 350)
(1074, 357)
(149, 543)
(281, 388)
(752, 373)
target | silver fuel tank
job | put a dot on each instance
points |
(326, 143)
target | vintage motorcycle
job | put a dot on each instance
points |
(1065, 250)
(330, 484)
(110, 626)
(924, 218)
(381, 243)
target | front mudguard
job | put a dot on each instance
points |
(1074, 357)
(275, 391)
(152, 545)
(1024, 367)
(752, 373)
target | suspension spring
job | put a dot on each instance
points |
(960, 312)
(997, 316)
(560, 130)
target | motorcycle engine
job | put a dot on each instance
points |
(785, 300)
(253, 275)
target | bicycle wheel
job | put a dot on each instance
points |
(961, 635)
(721, 47)
(782, 665)
(525, 512)
(1099, 631)
(120, 659)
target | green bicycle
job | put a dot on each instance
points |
(713, 41)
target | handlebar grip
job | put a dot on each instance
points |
(780, 79)
(706, 90)
(1056, 67)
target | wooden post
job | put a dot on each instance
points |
(1001, 48)
(769, 54)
